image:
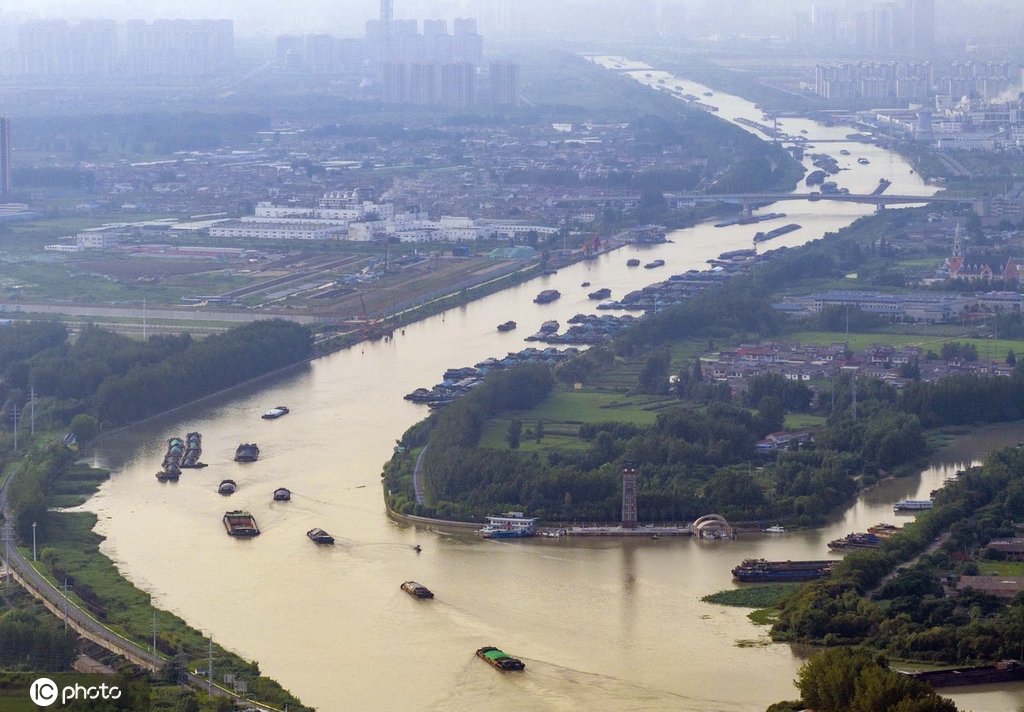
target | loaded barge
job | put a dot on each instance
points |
(762, 571)
(239, 523)
(1003, 671)
(501, 661)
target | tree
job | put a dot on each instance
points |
(85, 428)
(771, 414)
(538, 431)
(1011, 358)
(515, 432)
(698, 373)
(654, 376)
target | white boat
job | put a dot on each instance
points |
(775, 529)
(275, 413)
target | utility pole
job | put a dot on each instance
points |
(855, 397)
(209, 670)
(32, 403)
(33, 541)
(15, 417)
(155, 666)
(65, 604)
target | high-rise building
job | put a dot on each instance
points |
(395, 86)
(5, 155)
(423, 83)
(458, 84)
(504, 77)
(921, 17)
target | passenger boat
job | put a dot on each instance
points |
(775, 529)
(226, 487)
(247, 452)
(507, 326)
(602, 293)
(239, 523)
(275, 412)
(282, 494)
(633, 262)
(417, 590)
(509, 525)
(547, 296)
(655, 263)
(320, 536)
(501, 661)
(912, 505)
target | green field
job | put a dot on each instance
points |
(1001, 568)
(930, 337)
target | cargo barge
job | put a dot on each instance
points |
(777, 232)
(170, 468)
(417, 590)
(547, 296)
(247, 452)
(501, 661)
(193, 451)
(1003, 671)
(239, 523)
(763, 571)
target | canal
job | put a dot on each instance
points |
(601, 624)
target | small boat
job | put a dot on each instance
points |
(585, 284)
(227, 487)
(275, 412)
(547, 296)
(239, 523)
(320, 536)
(775, 529)
(417, 590)
(247, 452)
(282, 494)
(863, 161)
(602, 293)
(844, 152)
(417, 548)
(500, 660)
(655, 263)
(633, 262)
(507, 326)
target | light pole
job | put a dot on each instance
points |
(33, 541)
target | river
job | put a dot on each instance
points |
(601, 624)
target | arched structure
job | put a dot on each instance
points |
(712, 526)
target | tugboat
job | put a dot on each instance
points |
(507, 326)
(247, 452)
(500, 660)
(275, 412)
(417, 590)
(226, 487)
(282, 494)
(320, 536)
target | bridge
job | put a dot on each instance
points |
(749, 201)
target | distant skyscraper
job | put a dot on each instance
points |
(458, 84)
(387, 16)
(921, 16)
(422, 83)
(5, 155)
(504, 83)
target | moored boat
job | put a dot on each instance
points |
(240, 523)
(282, 494)
(507, 326)
(320, 536)
(912, 505)
(775, 529)
(226, 487)
(417, 590)
(498, 659)
(762, 571)
(275, 412)
(509, 525)
(549, 327)
(247, 452)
